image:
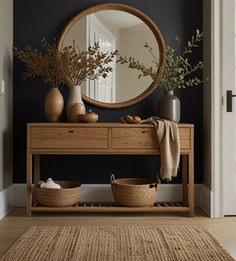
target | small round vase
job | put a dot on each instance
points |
(53, 105)
(75, 110)
(169, 107)
(73, 98)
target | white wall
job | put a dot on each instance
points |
(6, 105)
(77, 34)
(132, 41)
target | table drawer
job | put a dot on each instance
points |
(135, 138)
(65, 137)
(145, 138)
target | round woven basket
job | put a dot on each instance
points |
(67, 195)
(134, 192)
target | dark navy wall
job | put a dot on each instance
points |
(34, 20)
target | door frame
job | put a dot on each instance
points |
(216, 194)
(218, 105)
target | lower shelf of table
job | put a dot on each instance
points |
(113, 207)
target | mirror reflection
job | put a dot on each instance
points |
(115, 30)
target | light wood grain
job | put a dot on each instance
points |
(71, 137)
(100, 136)
(36, 168)
(185, 177)
(138, 138)
(105, 138)
(191, 183)
(99, 124)
(29, 183)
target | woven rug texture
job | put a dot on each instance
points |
(116, 243)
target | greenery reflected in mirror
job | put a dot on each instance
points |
(123, 28)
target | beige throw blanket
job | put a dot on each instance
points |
(168, 137)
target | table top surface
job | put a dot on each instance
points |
(99, 124)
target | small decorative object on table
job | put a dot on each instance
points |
(134, 192)
(178, 74)
(88, 117)
(131, 119)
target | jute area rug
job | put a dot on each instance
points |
(137, 243)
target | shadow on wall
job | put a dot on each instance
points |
(6, 123)
(7, 158)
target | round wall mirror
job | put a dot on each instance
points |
(126, 29)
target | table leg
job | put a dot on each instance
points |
(185, 178)
(36, 168)
(29, 184)
(191, 183)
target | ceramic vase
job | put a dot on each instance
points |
(53, 105)
(75, 110)
(169, 107)
(74, 97)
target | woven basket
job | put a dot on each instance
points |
(67, 195)
(134, 192)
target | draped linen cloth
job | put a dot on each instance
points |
(168, 136)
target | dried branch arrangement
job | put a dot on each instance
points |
(77, 65)
(179, 73)
(70, 66)
(44, 65)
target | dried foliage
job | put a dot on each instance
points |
(77, 65)
(69, 66)
(44, 65)
(179, 73)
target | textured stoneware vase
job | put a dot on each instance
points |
(73, 98)
(75, 110)
(53, 105)
(169, 107)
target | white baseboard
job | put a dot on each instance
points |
(102, 193)
(20, 195)
(6, 201)
(205, 203)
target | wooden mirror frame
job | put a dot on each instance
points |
(153, 27)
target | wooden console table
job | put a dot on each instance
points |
(106, 138)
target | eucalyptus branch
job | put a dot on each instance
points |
(178, 70)
(156, 62)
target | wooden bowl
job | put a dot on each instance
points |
(88, 117)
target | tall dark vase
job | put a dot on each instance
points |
(169, 107)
